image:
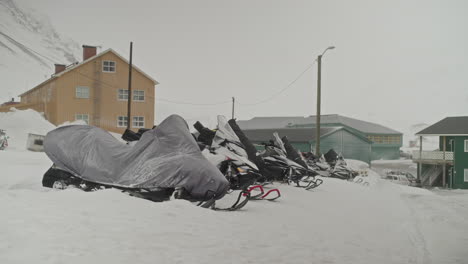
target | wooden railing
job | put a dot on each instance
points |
(433, 155)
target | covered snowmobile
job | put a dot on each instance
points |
(130, 136)
(165, 159)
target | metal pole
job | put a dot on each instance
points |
(129, 87)
(443, 165)
(317, 121)
(233, 104)
(420, 158)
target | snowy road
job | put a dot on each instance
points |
(340, 222)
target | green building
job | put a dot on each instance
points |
(350, 144)
(386, 142)
(448, 166)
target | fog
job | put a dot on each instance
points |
(396, 63)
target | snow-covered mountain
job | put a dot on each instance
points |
(29, 47)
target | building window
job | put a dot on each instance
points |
(82, 92)
(139, 95)
(122, 121)
(108, 66)
(123, 94)
(385, 139)
(84, 117)
(465, 178)
(138, 121)
(466, 145)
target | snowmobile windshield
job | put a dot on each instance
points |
(227, 143)
(165, 157)
(278, 142)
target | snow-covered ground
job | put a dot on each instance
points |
(339, 222)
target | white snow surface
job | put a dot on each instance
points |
(339, 222)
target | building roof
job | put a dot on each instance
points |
(76, 65)
(449, 126)
(294, 134)
(268, 122)
(299, 121)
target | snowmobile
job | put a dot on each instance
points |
(317, 164)
(307, 172)
(164, 162)
(341, 170)
(229, 155)
(284, 169)
(331, 157)
(252, 153)
(3, 140)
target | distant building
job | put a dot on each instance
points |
(341, 139)
(447, 167)
(386, 142)
(10, 103)
(95, 91)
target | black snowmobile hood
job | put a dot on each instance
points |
(165, 157)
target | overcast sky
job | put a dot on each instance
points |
(396, 62)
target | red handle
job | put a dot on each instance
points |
(253, 188)
(270, 191)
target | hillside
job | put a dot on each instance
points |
(29, 47)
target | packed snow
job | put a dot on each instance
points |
(339, 222)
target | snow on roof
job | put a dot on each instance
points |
(449, 126)
(293, 134)
(283, 122)
(306, 134)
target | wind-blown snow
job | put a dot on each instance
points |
(339, 222)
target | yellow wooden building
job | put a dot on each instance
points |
(95, 91)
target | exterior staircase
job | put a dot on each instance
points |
(431, 176)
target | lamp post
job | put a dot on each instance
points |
(317, 121)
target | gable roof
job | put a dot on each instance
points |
(76, 65)
(449, 126)
(298, 121)
(295, 134)
(268, 122)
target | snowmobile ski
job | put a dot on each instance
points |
(262, 195)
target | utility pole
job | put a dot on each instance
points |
(317, 117)
(319, 95)
(233, 104)
(129, 87)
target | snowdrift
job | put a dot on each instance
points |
(19, 123)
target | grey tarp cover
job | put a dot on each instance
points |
(164, 157)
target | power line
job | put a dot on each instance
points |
(187, 103)
(157, 98)
(282, 90)
(173, 101)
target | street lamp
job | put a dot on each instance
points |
(317, 121)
